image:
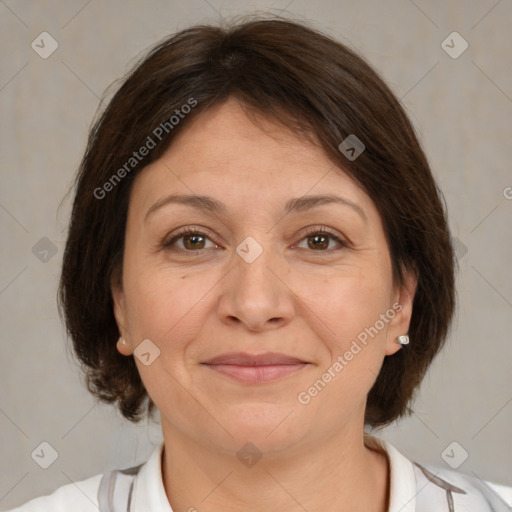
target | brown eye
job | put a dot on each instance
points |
(193, 242)
(188, 240)
(318, 241)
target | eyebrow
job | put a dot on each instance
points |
(209, 204)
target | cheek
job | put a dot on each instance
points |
(350, 302)
(356, 314)
(169, 310)
(166, 307)
(356, 346)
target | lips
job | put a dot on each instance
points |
(242, 359)
(254, 368)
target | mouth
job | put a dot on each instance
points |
(255, 368)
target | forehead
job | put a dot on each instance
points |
(240, 159)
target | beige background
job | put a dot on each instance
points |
(461, 107)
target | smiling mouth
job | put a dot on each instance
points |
(255, 368)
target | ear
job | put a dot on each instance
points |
(402, 305)
(120, 313)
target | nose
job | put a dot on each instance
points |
(256, 295)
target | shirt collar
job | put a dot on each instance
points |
(149, 491)
(402, 492)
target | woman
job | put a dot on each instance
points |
(258, 250)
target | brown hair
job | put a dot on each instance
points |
(312, 84)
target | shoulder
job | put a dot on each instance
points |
(113, 490)
(416, 487)
(103, 492)
(79, 496)
(437, 486)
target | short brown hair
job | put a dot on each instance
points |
(310, 83)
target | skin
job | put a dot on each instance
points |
(295, 298)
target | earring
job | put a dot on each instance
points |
(402, 340)
(123, 347)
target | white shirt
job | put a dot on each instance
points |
(411, 490)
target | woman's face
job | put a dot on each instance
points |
(272, 270)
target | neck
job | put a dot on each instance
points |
(336, 474)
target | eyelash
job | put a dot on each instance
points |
(192, 231)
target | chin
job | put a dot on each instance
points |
(269, 430)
